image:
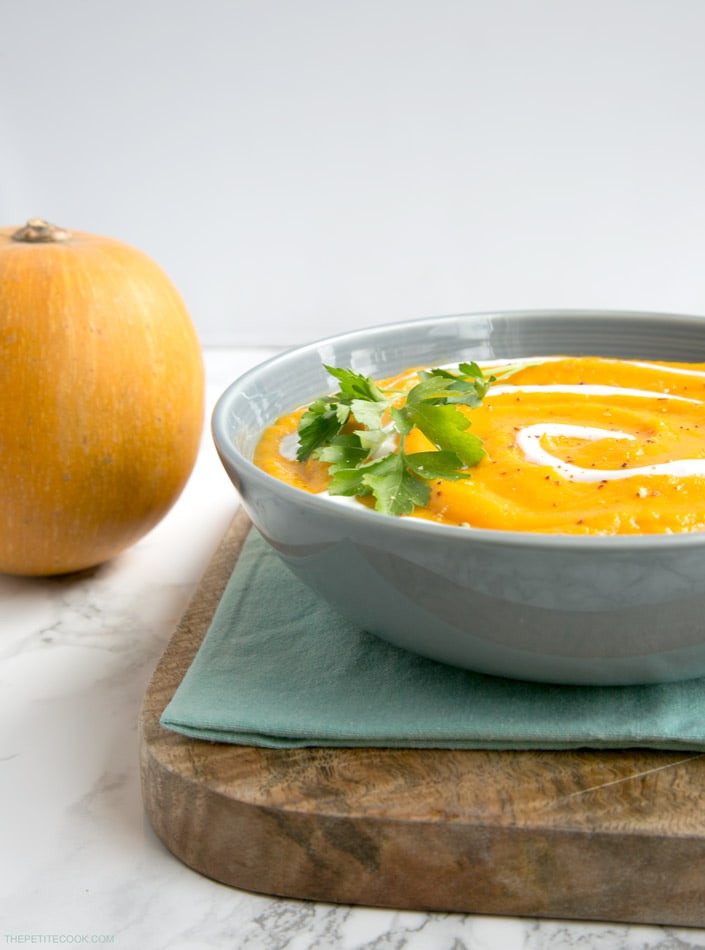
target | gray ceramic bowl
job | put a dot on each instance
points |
(589, 610)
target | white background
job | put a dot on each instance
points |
(301, 167)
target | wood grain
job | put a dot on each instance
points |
(603, 835)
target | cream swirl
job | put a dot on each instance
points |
(529, 438)
(584, 390)
(529, 441)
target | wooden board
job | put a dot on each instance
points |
(601, 835)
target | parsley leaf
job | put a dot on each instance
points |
(397, 491)
(432, 465)
(355, 385)
(506, 370)
(349, 481)
(446, 427)
(343, 452)
(326, 417)
(351, 429)
(319, 424)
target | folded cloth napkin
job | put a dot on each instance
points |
(280, 668)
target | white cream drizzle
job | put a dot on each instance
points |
(583, 390)
(678, 370)
(529, 438)
(536, 361)
(288, 445)
(529, 441)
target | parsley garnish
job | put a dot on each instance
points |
(353, 429)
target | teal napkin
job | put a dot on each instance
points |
(280, 668)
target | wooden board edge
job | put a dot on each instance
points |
(192, 627)
(334, 859)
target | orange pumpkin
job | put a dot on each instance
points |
(101, 398)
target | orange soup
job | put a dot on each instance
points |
(573, 446)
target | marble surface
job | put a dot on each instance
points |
(79, 862)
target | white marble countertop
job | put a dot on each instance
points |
(80, 863)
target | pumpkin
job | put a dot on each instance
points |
(101, 398)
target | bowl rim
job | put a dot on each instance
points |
(420, 526)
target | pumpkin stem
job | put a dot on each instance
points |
(37, 231)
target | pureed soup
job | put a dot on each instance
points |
(572, 445)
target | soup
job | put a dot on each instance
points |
(572, 445)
